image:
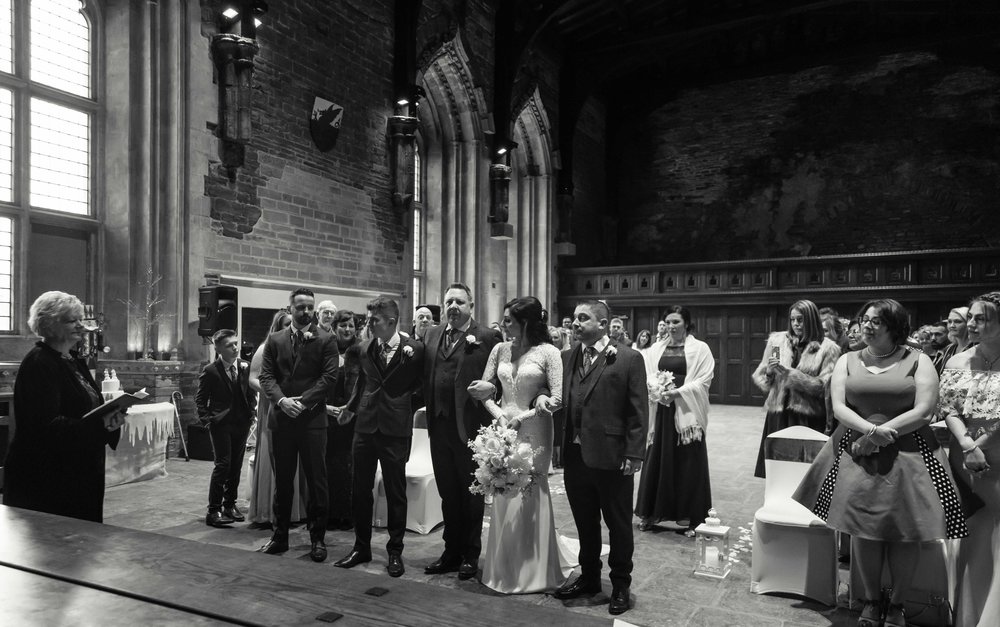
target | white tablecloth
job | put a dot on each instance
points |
(142, 449)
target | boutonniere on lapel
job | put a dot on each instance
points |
(407, 352)
(307, 335)
(471, 340)
(609, 353)
(244, 365)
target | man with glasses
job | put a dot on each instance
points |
(299, 368)
(325, 311)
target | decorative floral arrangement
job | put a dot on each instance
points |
(743, 545)
(407, 351)
(307, 335)
(505, 466)
(610, 352)
(662, 383)
(471, 340)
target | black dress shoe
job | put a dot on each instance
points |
(217, 519)
(619, 601)
(578, 588)
(234, 513)
(468, 569)
(395, 565)
(442, 565)
(353, 559)
(318, 552)
(274, 546)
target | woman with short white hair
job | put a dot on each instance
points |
(56, 460)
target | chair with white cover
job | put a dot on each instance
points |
(423, 501)
(794, 551)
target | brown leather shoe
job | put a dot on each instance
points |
(578, 588)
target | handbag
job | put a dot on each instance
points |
(927, 609)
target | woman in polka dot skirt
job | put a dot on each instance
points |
(882, 478)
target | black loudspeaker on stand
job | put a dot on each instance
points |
(217, 309)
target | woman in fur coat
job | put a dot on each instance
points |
(795, 372)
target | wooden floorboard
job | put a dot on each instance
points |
(250, 588)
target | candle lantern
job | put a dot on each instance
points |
(712, 542)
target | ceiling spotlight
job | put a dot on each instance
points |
(230, 13)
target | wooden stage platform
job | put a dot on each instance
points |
(60, 571)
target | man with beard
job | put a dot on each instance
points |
(937, 342)
(299, 368)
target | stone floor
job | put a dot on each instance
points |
(664, 590)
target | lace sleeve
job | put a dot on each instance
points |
(491, 364)
(952, 395)
(554, 372)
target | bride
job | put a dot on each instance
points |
(523, 554)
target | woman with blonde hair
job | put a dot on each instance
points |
(969, 403)
(56, 461)
(795, 371)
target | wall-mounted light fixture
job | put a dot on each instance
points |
(233, 50)
(402, 129)
(500, 170)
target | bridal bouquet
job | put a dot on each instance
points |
(662, 383)
(505, 466)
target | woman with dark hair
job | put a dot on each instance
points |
(970, 395)
(795, 371)
(643, 340)
(340, 435)
(523, 553)
(260, 514)
(855, 340)
(56, 460)
(674, 484)
(882, 476)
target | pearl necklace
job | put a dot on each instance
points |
(877, 356)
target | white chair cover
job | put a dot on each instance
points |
(423, 502)
(794, 552)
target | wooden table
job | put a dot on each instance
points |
(77, 572)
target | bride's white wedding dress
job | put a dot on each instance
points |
(523, 553)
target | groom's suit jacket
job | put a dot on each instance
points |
(471, 362)
(308, 371)
(611, 400)
(382, 395)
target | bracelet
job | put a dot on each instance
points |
(872, 432)
(966, 451)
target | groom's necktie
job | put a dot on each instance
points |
(452, 337)
(589, 357)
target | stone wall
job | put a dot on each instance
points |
(891, 152)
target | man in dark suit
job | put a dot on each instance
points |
(299, 368)
(456, 356)
(391, 367)
(604, 391)
(226, 402)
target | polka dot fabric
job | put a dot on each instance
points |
(954, 519)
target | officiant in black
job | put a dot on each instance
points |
(56, 460)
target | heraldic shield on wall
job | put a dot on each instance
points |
(324, 123)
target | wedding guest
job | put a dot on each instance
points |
(643, 340)
(423, 320)
(617, 330)
(227, 403)
(456, 356)
(340, 430)
(855, 339)
(937, 342)
(661, 331)
(523, 553)
(833, 327)
(300, 366)
(55, 463)
(325, 311)
(795, 371)
(958, 333)
(391, 368)
(674, 484)
(882, 476)
(970, 392)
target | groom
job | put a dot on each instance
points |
(456, 356)
(604, 391)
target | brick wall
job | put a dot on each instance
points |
(294, 213)
(894, 152)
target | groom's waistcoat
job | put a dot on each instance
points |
(445, 373)
(574, 404)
